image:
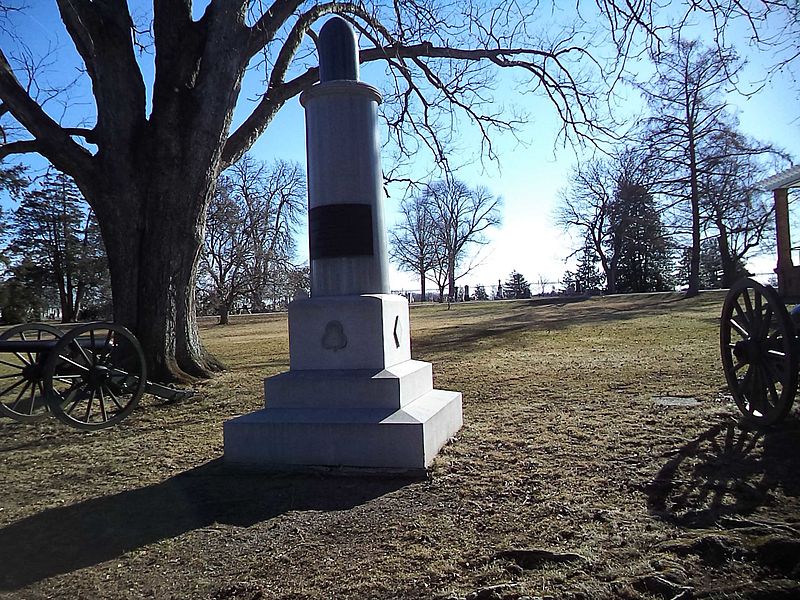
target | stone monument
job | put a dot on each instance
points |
(353, 397)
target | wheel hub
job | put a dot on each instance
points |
(749, 351)
(98, 375)
(32, 372)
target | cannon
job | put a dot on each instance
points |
(759, 337)
(90, 377)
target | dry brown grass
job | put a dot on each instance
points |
(567, 480)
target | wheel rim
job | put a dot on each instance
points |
(96, 376)
(22, 393)
(759, 356)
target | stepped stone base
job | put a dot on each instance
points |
(376, 438)
(352, 399)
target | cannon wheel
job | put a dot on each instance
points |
(22, 394)
(95, 376)
(759, 353)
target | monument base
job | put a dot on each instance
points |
(353, 398)
(406, 439)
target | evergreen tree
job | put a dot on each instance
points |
(517, 286)
(24, 295)
(645, 257)
(53, 229)
(480, 293)
(587, 277)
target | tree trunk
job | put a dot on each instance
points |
(729, 266)
(451, 280)
(694, 259)
(153, 231)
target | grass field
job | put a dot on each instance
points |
(572, 477)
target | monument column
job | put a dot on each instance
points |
(353, 397)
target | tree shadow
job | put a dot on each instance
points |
(549, 314)
(62, 540)
(729, 470)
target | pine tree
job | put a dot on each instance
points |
(517, 286)
(54, 229)
(645, 255)
(587, 276)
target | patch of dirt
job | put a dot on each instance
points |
(567, 480)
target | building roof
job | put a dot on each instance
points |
(785, 179)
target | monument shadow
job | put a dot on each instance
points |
(62, 540)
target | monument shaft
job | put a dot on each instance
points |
(347, 237)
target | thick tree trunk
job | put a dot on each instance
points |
(153, 234)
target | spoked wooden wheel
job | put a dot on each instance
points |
(95, 376)
(759, 355)
(22, 394)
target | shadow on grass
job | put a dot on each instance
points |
(729, 470)
(554, 314)
(62, 540)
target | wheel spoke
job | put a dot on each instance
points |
(19, 396)
(743, 325)
(775, 371)
(759, 392)
(766, 323)
(89, 408)
(72, 362)
(12, 365)
(741, 330)
(67, 378)
(12, 386)
(22, 358)
(75, 402)
(33, 398)
(114, 398)
(101, 400)
(88, 360)
(746, 381)
(748, 306)
(757, 315)
(10, 375)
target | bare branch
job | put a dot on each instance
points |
(20, 147)
(54, 142)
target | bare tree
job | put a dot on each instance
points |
(690, 133)
(461, 217)
(273, 198)
(148, 158)
(249, 232)
(223, 276)
(687, 112)
(585, 206)
(740, 215)
(593, 203)
(413, 239)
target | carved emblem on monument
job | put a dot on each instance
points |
(334, 337)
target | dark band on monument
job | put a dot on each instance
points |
(339, 230)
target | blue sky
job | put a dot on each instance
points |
(528, 176)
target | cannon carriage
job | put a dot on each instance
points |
(759, 336)
(90, 377)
